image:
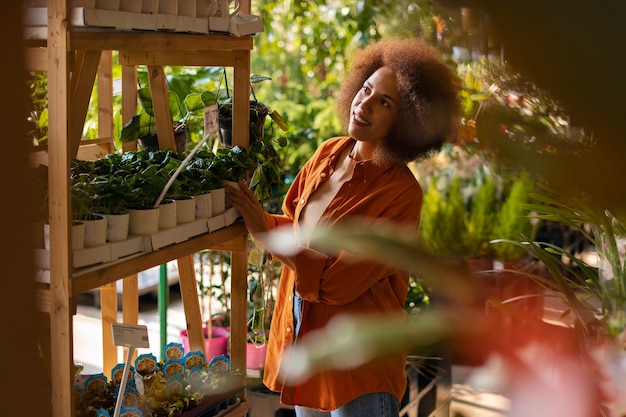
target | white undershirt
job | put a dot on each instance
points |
(321, 198)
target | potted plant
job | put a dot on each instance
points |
(216, 324)
(108, 180)
(142, 126)
(263, 276)
(593, 292)
(443, 220)
(147, 182)
(211, 199)
(184, 190)
(83, 198)
(480, 223)
(512, 220)
(258, 112)
(42, 228)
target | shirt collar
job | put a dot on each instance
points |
(371, 171)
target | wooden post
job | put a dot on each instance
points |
(189, 295)
(161, 107)
(62, 366)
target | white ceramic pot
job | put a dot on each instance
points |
(143, 221)
(117, 226)
(167, 215)
(78, 236)
(204, 208)
(218, 201)
(185, 210)
(95, 231)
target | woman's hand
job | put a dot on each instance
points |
(254, 216)
(250, 209)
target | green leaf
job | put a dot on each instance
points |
(277, 118)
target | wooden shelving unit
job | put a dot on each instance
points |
(72, 57)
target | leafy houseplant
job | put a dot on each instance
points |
(512, 220)
(263, 275)
(595, 295)
(443, 220)
(142, 126)
(258, 112)
(481, 220)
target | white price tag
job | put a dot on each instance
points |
(130, 335)
(210, 120)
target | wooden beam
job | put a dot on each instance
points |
(239, 309)
(83, 78)
(95, 40)
(130, 302)
(89, 152)
(129, 100)
(36, 59)
(241, 102)
(105, 99)
(97, 276)
(181, 58)
(62, 366)
(189, 295)
(161, 107)
(108, 313)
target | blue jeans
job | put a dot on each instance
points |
(376, 404)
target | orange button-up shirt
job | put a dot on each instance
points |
(333, 285)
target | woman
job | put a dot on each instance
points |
(400, 103)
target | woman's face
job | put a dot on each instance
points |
(375, 108)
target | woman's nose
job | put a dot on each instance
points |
(366, 104)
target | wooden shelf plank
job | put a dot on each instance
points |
(112, 40)
(94, 277)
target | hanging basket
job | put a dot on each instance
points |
(258, 113)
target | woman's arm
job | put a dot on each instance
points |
(263, 227)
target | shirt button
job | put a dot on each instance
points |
(302, 201)
(290, 298)
(288, 329)
(323, 175)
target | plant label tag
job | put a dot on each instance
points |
(130, 335)
(210, 119)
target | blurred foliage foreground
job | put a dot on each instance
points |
(545, 369)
